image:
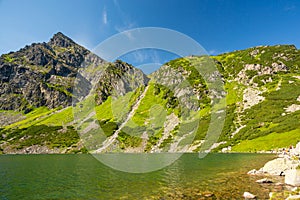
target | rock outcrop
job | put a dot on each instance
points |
(42, 74)
(117, 79)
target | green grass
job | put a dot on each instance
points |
(116, 109)
(104, 110)
(265, 126)
(234, 92)
(272, 141)
(60, 118)
(32, 118)
(155, 96)
(8, 58)
(234, 62)
(52, 136)
(127, 140)
(60, 88)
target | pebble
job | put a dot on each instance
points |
(208, 194)
(248, 195)
(293, 197)
(264, 180)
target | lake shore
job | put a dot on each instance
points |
(285, 167)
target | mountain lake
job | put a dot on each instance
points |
(216, 176)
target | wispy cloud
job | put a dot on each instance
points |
(140, 57)
(126, 26)
(127, 23)
(146, 55)
(104, 16)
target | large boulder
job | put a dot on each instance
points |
(279, 166)
(296, 150)
(292, 177)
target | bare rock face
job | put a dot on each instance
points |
(118, 79)
(42, 74)
(60, 40)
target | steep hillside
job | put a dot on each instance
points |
(37, 90)
(263, 97)
(169, 111)
(42, 74)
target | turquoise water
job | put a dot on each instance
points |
(220, 176)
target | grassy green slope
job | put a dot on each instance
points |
(267, 125)
(264, 126)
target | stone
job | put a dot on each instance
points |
(264, 180)
(292, 108)
(208, 194)
(226, 149)
(294, 189)
(248, 195)
(279, 166)
(255, 172)
(292, 177)
(279, 184)
(252, 172)
(297, 149)
(293, 197)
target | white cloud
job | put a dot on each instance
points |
(104, 16)
(140, 57)
(155, 57)
(126, 22)
(127, 25)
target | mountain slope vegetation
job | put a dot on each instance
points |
(168, 111)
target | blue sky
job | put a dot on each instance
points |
(218, 25)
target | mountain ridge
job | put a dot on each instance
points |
(176, 100)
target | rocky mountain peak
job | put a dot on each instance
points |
(60, 40)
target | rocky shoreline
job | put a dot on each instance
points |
(285, 167)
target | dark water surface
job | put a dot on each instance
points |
(84, 177)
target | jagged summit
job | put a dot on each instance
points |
(61, 40)
(43, 74)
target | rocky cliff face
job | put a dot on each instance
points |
(117, 79)
(41, 74)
